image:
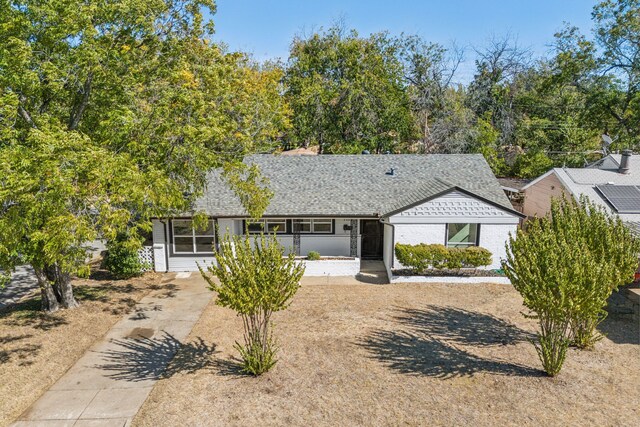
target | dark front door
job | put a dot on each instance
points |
(371, 239)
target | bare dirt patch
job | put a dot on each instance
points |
(414, 354)
(36, 348)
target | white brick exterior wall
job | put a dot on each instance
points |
(494, 237)
(426, 223)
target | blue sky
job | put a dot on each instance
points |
(265, 28)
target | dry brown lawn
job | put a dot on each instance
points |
(36, 348)
(410, 354)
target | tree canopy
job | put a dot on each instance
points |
(346, 92)
(524, 114)
(112, 113)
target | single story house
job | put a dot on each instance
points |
(612, 182)
(352, 207)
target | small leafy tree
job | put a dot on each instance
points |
(256, 280)
(610, 258)
(536, 265)
(565, 266)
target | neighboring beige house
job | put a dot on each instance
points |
(539, 192)
(612, 182)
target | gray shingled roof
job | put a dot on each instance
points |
(356, 185)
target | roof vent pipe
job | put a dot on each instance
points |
(624, 162)
(391, 172)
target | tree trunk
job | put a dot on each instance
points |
(49, 301)
(62, 288)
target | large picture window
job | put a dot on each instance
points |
(267, 225)
(316, 226)
(462, 235)
(187, 240)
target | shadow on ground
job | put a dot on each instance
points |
(141, 359)
(427, 342)
(23, 352)
(29, 313)
(372, 279)
(621, 329)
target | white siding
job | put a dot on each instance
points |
(387, 247)
(340, 223)
(159, 246)
(287, 242)
(227, 225)
(337, 244)
(188, 262)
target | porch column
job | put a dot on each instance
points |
(353, 241)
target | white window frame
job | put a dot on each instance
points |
(247, 223)
(312, 225)
(462, 244)
(322, 221)
(282, 225)
(193, 236)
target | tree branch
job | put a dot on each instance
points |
(26, 116)
(76, 116)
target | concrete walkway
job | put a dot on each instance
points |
(109, 384)
(23, 282)
(371, 272)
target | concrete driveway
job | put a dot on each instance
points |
(23, 282)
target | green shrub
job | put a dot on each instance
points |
(565, 266)
(254, 280)
(423, 256)
(313, 256)
(477, 256)
(122, 259)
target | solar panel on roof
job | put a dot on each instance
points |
(625, 199)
